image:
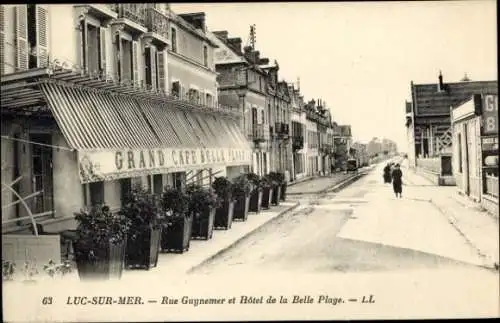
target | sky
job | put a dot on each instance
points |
(360, 57)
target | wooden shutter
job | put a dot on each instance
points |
(135, 62)
(102, 50)
(153, 66)
(2, 40)
(83, 35)
(118, 57)
(161, 70)
(21, 37)
(42, 36)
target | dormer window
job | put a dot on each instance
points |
(205, 56)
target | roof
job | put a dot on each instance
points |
(224, 54)
(428, 101)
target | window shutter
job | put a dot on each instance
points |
(83, 35)
(102, 50)
(135, 62)
(161, 71)
(153, 67)
(118, 57)
(42, 34)
(21, 37)
(2, 40)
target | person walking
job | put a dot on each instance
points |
(387, 173)
(397, 182)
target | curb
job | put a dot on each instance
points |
(451, 219)
(332, 188)
(220, 251)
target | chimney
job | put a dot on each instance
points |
(222, 34)
(256, 57)
(235, 44)
(247, 49)
(264, 61)
(196, 19)
(440, 84)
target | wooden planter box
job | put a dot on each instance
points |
(203, 226)
(283, 191)
(255, 201)
(108, 264)
(142, 252)
(224, 215)
(241, 208)
(267, 194)
(275, 197)
(176, 237)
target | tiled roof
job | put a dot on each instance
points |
(431, 102)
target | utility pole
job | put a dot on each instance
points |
(253, 37)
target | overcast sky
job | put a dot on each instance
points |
(361, 56)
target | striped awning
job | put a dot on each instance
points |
(118, 135)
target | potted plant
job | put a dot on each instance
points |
(176, 231)
(267, 191)
(100, 243)
(224, 211)
(274, 178)
(241, 192)
(202, 204)
(256, 194)
(280, 177)
(143, 240)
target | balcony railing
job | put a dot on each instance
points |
(189, 101)
(491, 185)
(135, 12)
(157, 22)
(282, 129)
(258, 133)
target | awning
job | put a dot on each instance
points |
(118, 135)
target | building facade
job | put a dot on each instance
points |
(86, 110)
(243, 83)
(298, 128)
(475, 149)
(429, 126)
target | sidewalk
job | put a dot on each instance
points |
(319, 184)
(479, 228)
(201, 251)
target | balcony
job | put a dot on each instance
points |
(190, 102)
(104, 13)
(298, 143)
(282, 130)
(157, 25)
(259, 133)
(132, 18)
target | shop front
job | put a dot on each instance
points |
(102, 138)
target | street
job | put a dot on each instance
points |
(361, 228)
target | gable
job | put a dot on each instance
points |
(223, 54)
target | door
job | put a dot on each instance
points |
(466, 160)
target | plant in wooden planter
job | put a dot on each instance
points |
(144, 211)
(224, 211)
(274, 179)
(241, 192)
(101, 241)
(256, 194)
(267, 191)
(176, 231)
(202, 204)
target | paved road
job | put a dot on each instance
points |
(364, 232)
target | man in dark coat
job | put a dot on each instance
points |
(387, 173)
(397, 183)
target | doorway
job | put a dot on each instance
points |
(41, 173)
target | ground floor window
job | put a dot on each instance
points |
(125, 188)
(42, 176)
(94, 194)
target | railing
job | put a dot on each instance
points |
(188, 100)
(430, 164)
(133, 11)
(258, 133)
(491, 185)
(157, 22)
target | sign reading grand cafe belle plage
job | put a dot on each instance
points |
(113, 164)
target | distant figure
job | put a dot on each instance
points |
(332, 169)
(387, 173)
(397, 174)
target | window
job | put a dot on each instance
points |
(173, 32)
(176, 89)
(125, 188)
(126, 63)
(208, 100)
(157, 183)
(42, 173)
(205, 55)
(37, 28)
(96, 193)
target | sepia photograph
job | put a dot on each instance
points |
(249, 161)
